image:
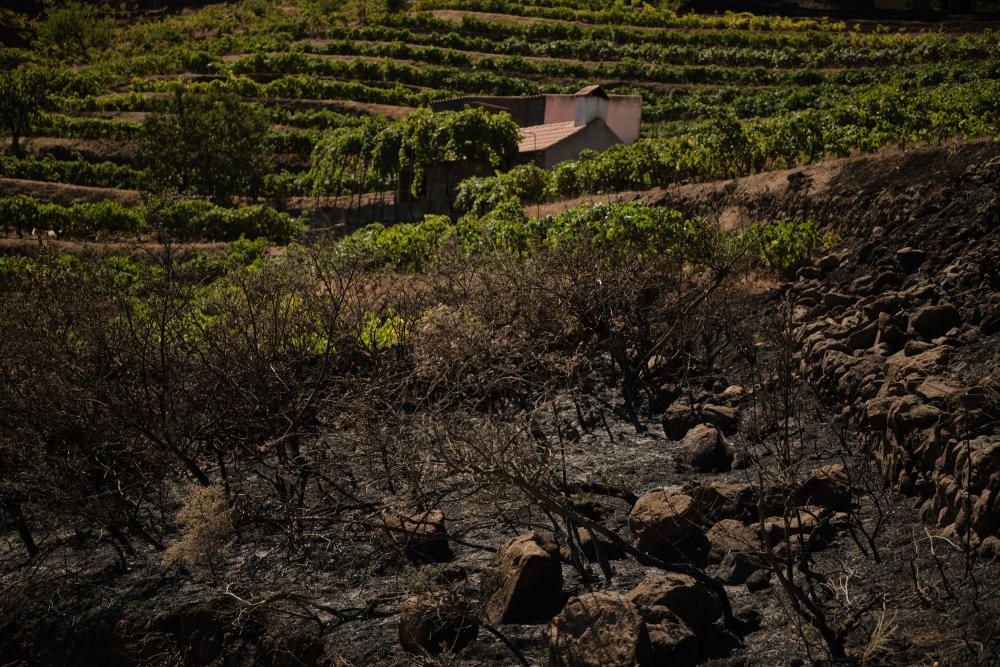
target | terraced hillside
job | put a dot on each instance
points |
(726, 395)
(722, 95)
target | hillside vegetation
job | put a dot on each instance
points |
(728, 395)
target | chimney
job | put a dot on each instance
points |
(591, 103)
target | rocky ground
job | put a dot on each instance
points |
(835, 475)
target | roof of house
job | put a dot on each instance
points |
(591, 90)
(477, 98)
(541, 137)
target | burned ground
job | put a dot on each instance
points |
(530, 427)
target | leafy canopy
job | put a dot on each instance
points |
(209, 144)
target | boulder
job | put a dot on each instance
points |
(801, 522)
(679, 418)
(909, 414)
(422, 537)
(678, 594)
(705, 450)
(934, 321)
(735, 547)
(809, 273)
(863, 337)
(736, 568)
(592, 543)
(725, 418)
(720, 500)
(663, 523)
(601, 629)
(733, 394)
(759, 580)
(436, 621)
(889, 332)
(827, 263)
(923, 359)
(837, 300)
(937, 390)
(673, 641)
(826, 486)
(910, 259)
(730, 536)
(523, 583)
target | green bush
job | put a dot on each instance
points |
(186, 219)
(781, 245)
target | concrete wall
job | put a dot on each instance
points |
(559, 109)
(591, 108)
(596, 136)
(625, 116)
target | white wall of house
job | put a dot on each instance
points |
(590, 107)
(623, 115)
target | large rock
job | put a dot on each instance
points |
(601, 629)
(664, 524)
(910, 259)
(735, 547)
(594, 547)
(720, 500)
(803, 524)
(523, 584)
(679, 418)
(725, 418)
(922, 359)
(673, 641)
(434, 622)
(934, 321)
(421, 537)
(705, 450)
(863, 337)
(837, 300)
(909, 414)
(827, 486)
(730, 536)
(679, 594)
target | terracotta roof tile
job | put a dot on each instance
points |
(591, 90)
(542, 137)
